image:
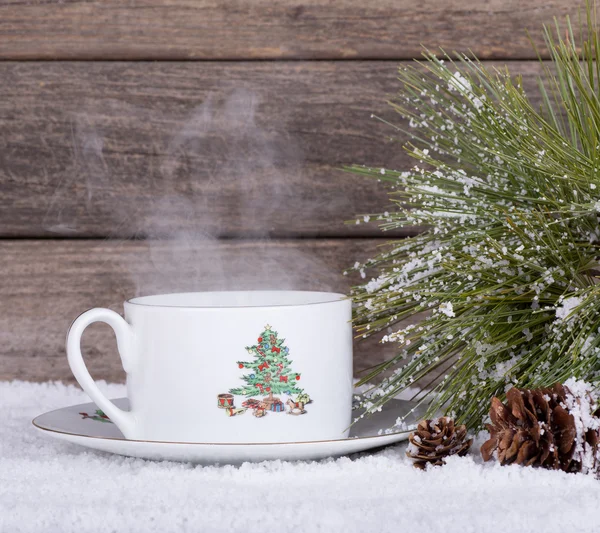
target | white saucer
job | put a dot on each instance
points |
(71, 424)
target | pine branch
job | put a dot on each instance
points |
(508, 265)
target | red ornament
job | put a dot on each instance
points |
(259, 339)
(268, 389)
(297, 377)
(241, 365)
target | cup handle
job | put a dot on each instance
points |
(124, 420)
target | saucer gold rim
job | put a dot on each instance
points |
(213, 443)
(118, 439)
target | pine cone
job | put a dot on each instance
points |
(436, 439)
(538, 427)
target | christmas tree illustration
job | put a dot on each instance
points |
(270, 372)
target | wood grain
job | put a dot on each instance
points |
(121, 149)
(48, 283)
(272, 29)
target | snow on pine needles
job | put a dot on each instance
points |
(506, 192)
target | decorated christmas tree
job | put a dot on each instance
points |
(270, 372)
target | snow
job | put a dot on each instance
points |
(582, 403)
(460, 83)
(447, 309)
(568, 305)
(50, 486)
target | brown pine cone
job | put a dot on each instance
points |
(536, 428)
(436, 439)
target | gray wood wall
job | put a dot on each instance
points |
(165, 146)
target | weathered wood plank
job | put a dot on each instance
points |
(47, 284)
(269, 29)
(227, 149)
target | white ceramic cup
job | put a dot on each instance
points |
(229, 367)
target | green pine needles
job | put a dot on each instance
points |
(507, 267)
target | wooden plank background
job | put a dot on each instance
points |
(153, 147)
(271, 29)
(113, 149)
